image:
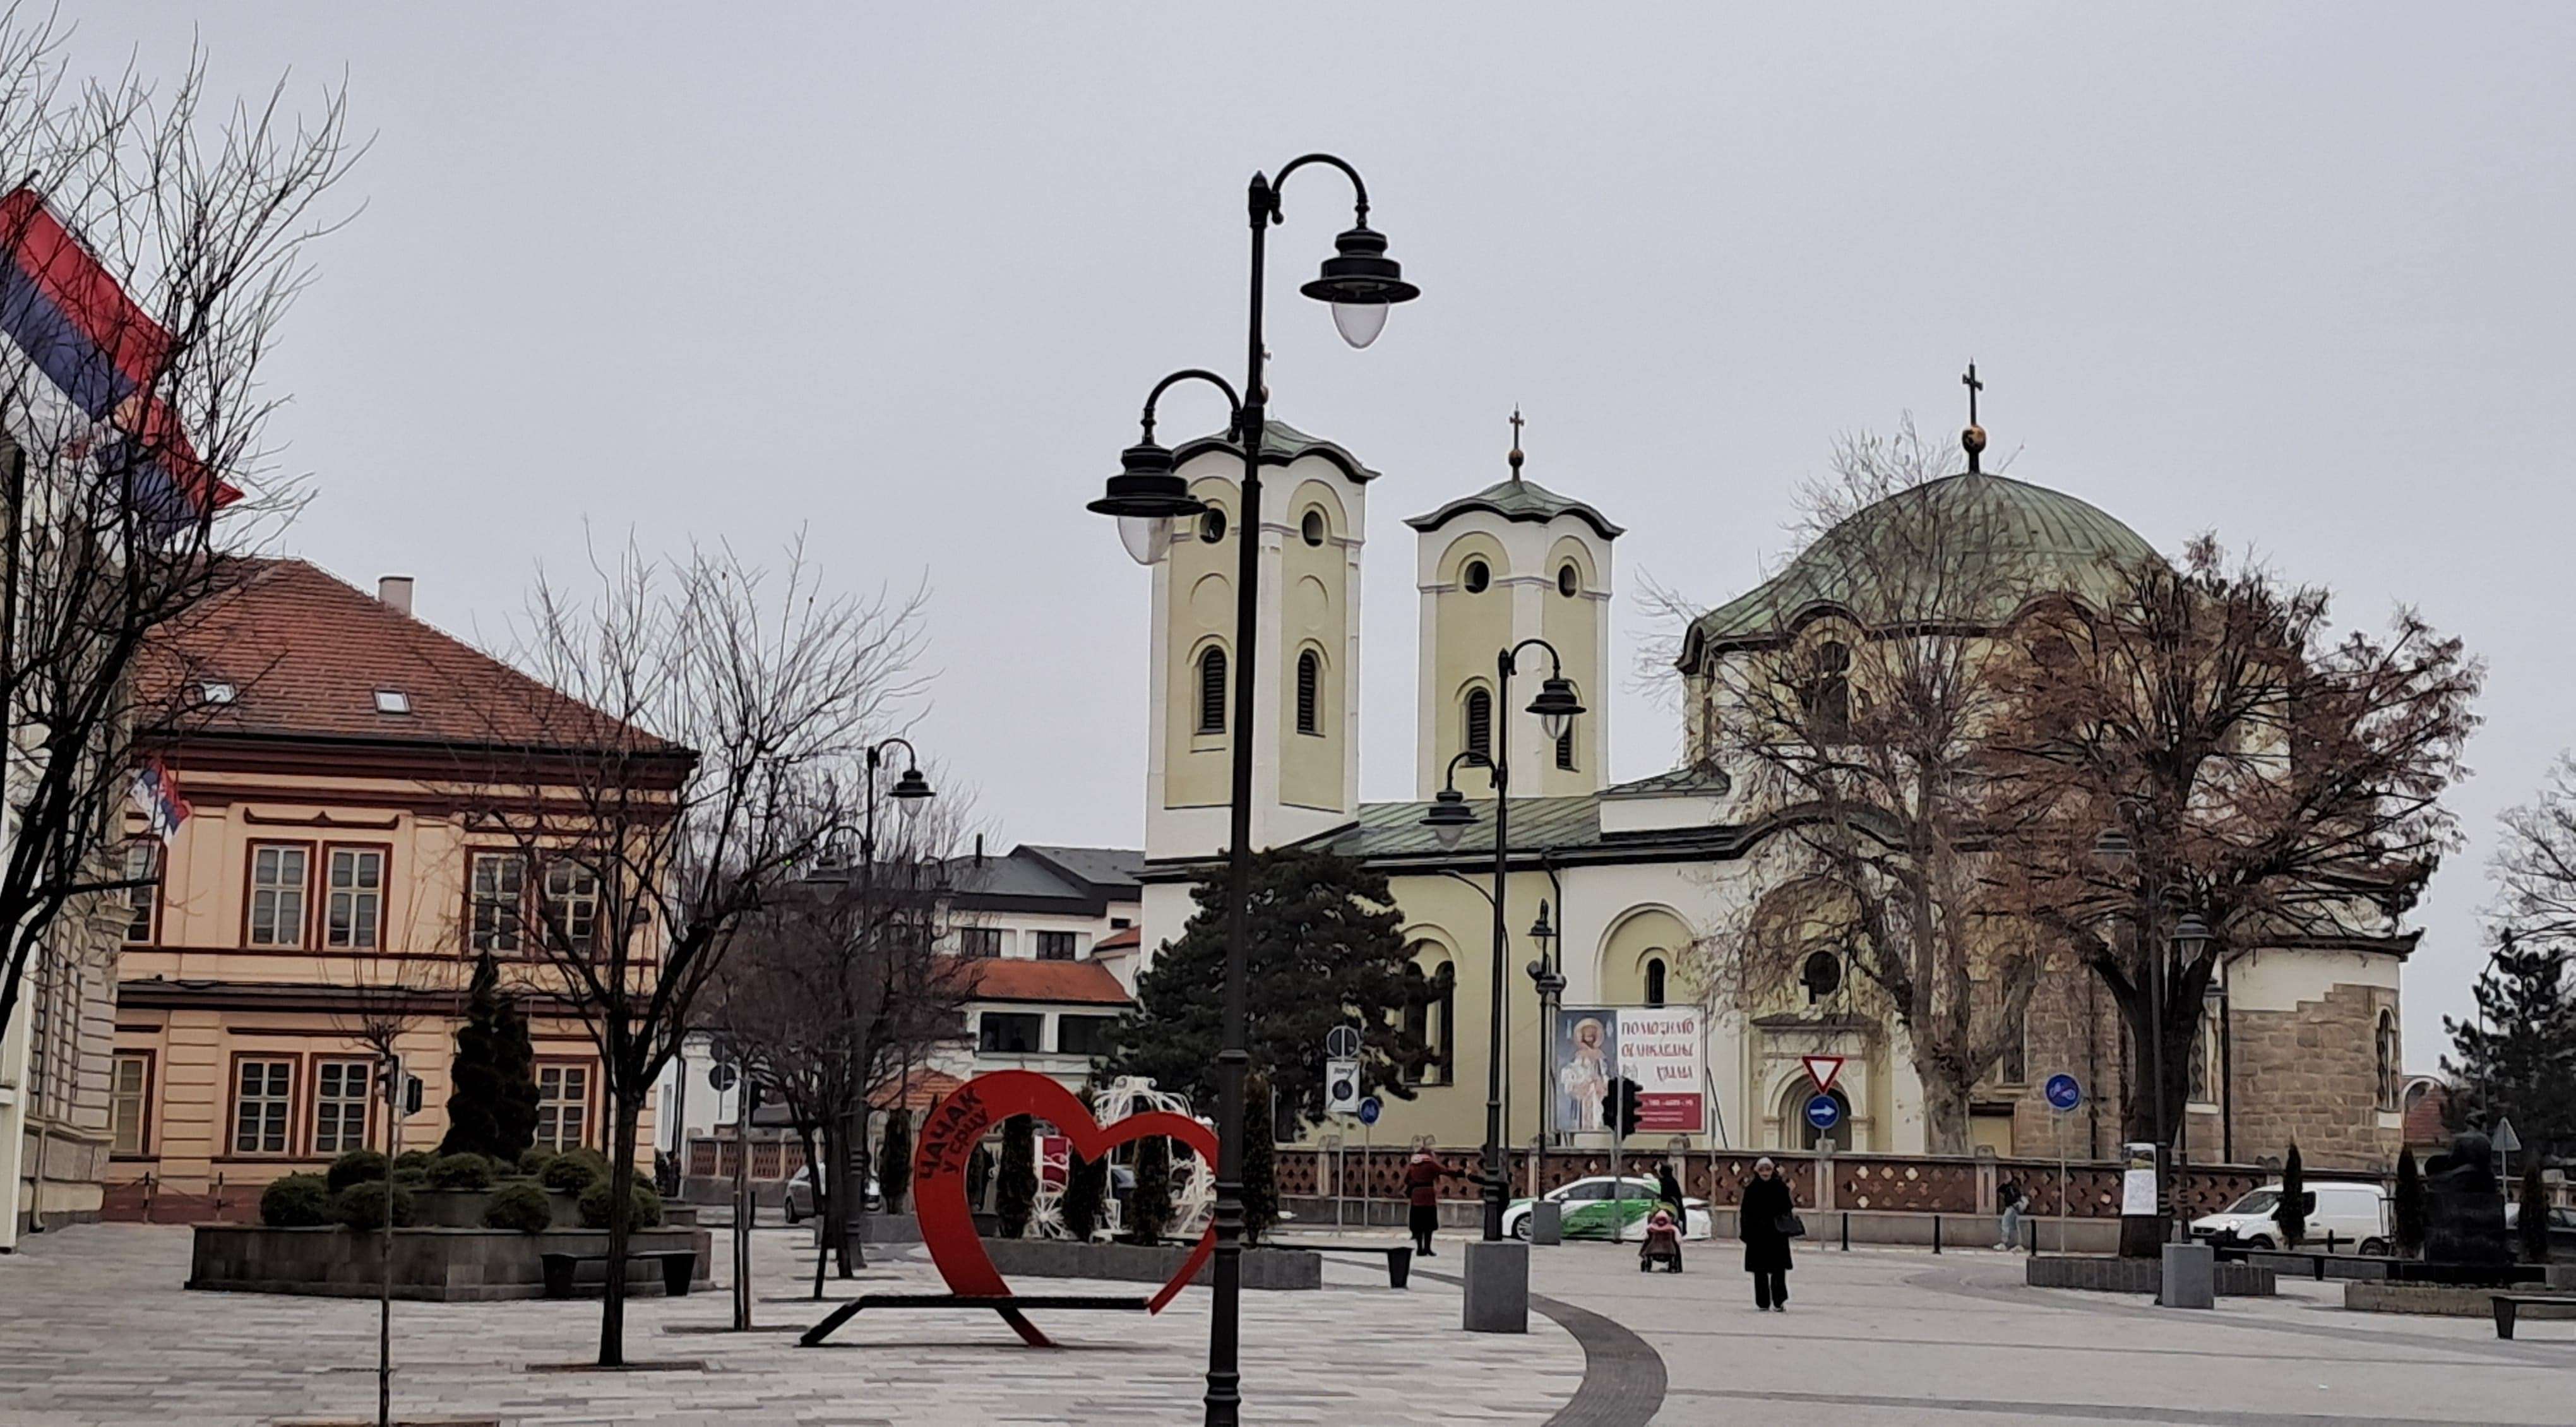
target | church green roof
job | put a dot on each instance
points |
(1281, 443)
(1517, 499)
(1993, 543)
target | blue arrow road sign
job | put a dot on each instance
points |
(1824, 1112)
(1369, 1108)
(2064, 1093)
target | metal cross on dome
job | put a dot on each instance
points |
(1974, 386)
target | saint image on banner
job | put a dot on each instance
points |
(1586, 1046)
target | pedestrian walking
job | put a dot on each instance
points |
(1669, 1189)
(2009, 1197)
(1422, 1192)
(1767, 1219)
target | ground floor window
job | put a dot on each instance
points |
(563, 1106)
(1008, 1032)
(263, 1105)
(340, 1093)
(129, 1104)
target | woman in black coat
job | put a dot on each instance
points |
(1766, 1249)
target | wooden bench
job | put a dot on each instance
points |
(1007, 1305)
(2508, 1304)
(678, 1266)
(1399, 1257)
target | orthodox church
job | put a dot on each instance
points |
(1612, 884)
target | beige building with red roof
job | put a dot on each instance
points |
(325, 873)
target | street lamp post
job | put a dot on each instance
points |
(1360, 282)
(909, 792)
(2191, 934)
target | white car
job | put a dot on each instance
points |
(2355, 1215)
(800, 1195)
(1593, 1208)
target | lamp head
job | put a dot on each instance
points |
(1449, 817)
(2112, 849)
(1146, 495)
(1361, 282)
(1556, 706)
(910, 791)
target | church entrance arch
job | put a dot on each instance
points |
(1796, 1132)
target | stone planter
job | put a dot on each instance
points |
(463, 1208)
(432, 1264)
(1135, 1263)
(883, 1228)
(2435, 1300)
(2117, 1275)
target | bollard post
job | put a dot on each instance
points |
(2030, 1230)
(1846, 1231)
(1936, 1233)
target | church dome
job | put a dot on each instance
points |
(1970, 548)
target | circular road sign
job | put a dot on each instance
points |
(720, 1075)
(1370, 1108)
(1342, 1042)
(1824, 1112)
(2064, 1092)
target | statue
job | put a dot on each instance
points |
(2464, 1207)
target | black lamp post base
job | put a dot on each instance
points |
(1497, 1287)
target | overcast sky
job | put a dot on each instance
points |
(900, 275)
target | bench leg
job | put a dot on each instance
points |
(830, 1324)
(676, 1272)
(558, 1280)
(1027, 1330)
(1399, 1267)
(2504, 1311)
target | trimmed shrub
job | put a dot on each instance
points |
(523, 1207)
(2407, 1206)
(461, 1171)
(534, 1159)
(295, 1201)
(574, 1171)
(894, 1159)
(356, 1165)
(2531, 1221)
(1016, 1197)
(595, 1201)
(412, 1177)
(1149, 1204)
(362, 1205)
(413, 1159)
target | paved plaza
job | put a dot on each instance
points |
(96, 1330)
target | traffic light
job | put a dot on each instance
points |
(1619, 1106)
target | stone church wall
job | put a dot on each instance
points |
(2312, 1075)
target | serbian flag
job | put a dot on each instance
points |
(157, 797)
(103, 355)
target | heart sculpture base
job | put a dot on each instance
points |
(948, 1140)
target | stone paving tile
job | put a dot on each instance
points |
(94, 1329)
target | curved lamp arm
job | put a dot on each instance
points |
(1359, 189)
(1233, 403)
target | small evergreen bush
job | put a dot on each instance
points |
(413, 1159)
(356, 1165)
(411, 1177)
(574, 1171)
(295, 1201)
(461, 1171)
(595, 1201)
(894, 1159)
(534, 1159)
(1016, 1198)
(521, 1206)
(362, 1205)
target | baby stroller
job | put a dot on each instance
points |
(1663, 1244)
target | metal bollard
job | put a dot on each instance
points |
(1936, 1233)
(1846, 1231)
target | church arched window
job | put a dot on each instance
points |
(1212, 691)
(1480, 723)
(1569, 580)
(1828, 694)
(1310, 682)
(2387, 1048)
(1429, 1018)
(1822, 974)
(1654, 981)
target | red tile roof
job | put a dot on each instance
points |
(1012, 978)
(2424, 1118)
(919, 1091)
(1120, 940)
(308, 654)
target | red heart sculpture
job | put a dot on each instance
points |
(948, 1141)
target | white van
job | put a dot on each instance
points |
(2356, 1215)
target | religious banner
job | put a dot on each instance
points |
(1662, 1048)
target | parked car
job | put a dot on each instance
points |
(2562, 1229)
(2345, 1218)
(1593, 1208)
(800, 1195)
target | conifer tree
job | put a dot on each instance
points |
(1017, 1196)
(2516, 1059)
(2292, 1212)
(492, 1092)
(2406, 1206)
(894, 1159)
(1149, 1204)
(2531, 1221)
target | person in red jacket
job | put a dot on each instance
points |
(1422, 1191)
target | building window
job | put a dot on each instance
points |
(1212, 691)
(339, 1106)
(1569, 581)
(1055, 946)
(979, 943)
(2203, 1057)
(1084, 1035)
(129, 1104)
(1654, 981)
(2015, 1069)
(1475, 577)
(572, 905)
(263, 1105)
(1480, 724)
(1008, 1032)
(1212, 525)
(143, 898)
(2388, 1053)
(277, 880)
(355, 915)
(500, 892)
(1310, 680)
(1311, 529)
(563, 1106)
(1822, 974)
(1428, 1018)
(1828, 695)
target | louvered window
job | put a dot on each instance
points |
(1310, 680)
(1212, 691)
(1480, 723)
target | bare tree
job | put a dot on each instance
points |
(2534, 866)
(152, 246)
(681, 767)
(2200, 740)
(1854, 702)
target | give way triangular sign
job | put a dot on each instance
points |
(1822, 1069)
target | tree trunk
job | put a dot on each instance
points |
(1945, 1112)
(836, 1225)
(621, 1227)
(806, 1135)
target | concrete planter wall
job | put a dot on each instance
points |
(883, 1228)
(2117, 1275)
(463, 1208)
(1135, 1263)
(1824, 1227)
(436, 1265)
(2435, 1300)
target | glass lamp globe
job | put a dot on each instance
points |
(1147, 537)
(1360, 322)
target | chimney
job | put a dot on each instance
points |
(979, 849)
(395, 590)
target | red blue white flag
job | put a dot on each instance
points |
(106, 357)
(157, 797)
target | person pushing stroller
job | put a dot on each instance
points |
(1663, 1244)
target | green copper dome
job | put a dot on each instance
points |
(1967, 549)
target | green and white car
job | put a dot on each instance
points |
(1594, 1207)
